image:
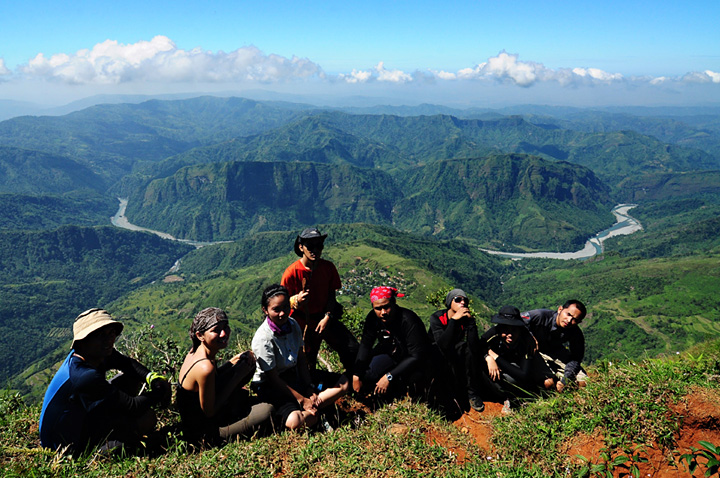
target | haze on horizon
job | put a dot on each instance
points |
(462, 53)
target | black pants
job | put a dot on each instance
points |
(336, 335)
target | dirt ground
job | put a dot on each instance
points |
(698, 415)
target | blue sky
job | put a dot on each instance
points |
(454, 52)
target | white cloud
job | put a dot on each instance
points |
(160, 60)
(597, 74)
(3, 69)
(379, 73)
(506, 67)
(394, 76)
(357, 76)
(706, 76)
(445, 75)
(112, 66)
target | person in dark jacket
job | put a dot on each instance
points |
(82, 409)
(508, 349)
(454, 336)
(393, 350)
(560, 343)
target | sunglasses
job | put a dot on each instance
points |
(460, 299)
(314, 246)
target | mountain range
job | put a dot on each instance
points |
(407, 195)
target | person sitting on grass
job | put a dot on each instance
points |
(454, 336)
(556, 366)
(394, 349)
(508, 349)
(282, 376)
(214, 407)
(312, 282)
(82, 410)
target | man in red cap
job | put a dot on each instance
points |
(393, 348)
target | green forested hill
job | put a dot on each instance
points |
(659, 186)
(505, 200)
(82, 208)
(36, 172)
(48, 277)
(611, 155)
(112, 138)
(394, 141)
(456, 261)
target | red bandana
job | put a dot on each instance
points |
(383, 292)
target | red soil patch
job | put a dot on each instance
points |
(478, 425)
(698, 416)
(436, 437)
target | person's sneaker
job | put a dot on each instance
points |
(477, 404)
(110, 447)
(325, 425)
(506, 409)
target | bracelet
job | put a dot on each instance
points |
(151, 376)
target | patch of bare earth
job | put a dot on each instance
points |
(698, 416)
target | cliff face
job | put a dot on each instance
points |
(517, 199)
(234, 200)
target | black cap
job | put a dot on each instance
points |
(508, 315)
(309, 233)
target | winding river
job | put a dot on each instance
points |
(625, 224)
(119, 220)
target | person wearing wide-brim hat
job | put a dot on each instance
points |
(508, 350)
(82, 409)
(312, 283)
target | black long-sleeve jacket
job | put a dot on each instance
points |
(551, 339)
(406, 342)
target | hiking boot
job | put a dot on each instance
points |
(477, 404)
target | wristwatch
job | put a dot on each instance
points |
(389, 377)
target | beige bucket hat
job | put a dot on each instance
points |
(90, 321)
